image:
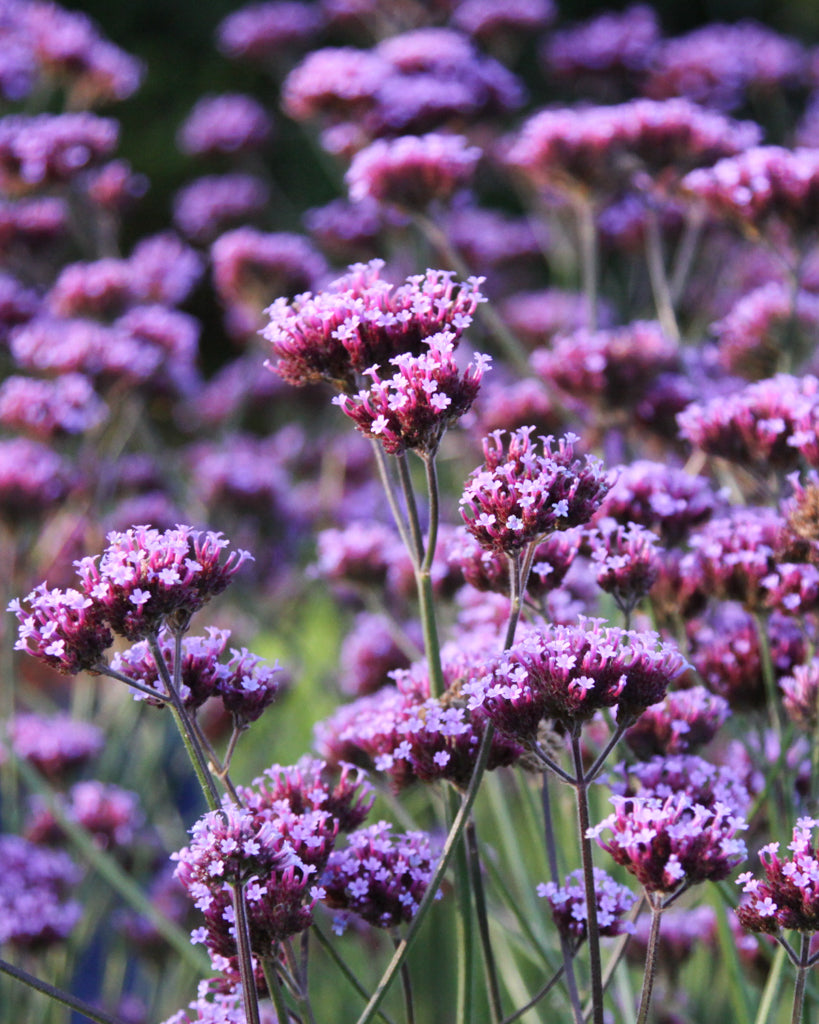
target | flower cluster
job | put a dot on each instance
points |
(412, 409)
(681, 723)
(363, 321)
(671, 844)
(520, 493)
(570, 912)
(567, 673)
(626, 562)
(378, 876)
(36, 909)
(789, 895)
(56, 745)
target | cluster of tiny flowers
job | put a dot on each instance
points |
(49, 408)
(245, 684)
(788, 898)
(681, 723)
(666, 775)
(567, 673)
(55, 745)
(110, 814)
(800, 695)
(361, 320)
(35, 887)
(214, 203)
(230, 848)
(412, 171)
(47, 149)
(626, 562)
(146, 578)
(229, 123)
(663, 498)
(264, 31)
(602, 147)
(673, 843)
(520, 493)
(768, 424)
(34, 479)
(412, 409)
(378, 876)
(569, 908)
(763, 183)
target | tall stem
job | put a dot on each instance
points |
(660, 288)
(57, 994)
(406, 986)
(651, 957)
(489, 965)
(242, 928)
(595, 963)
(587, 235)
(801, 979)
(551, 855)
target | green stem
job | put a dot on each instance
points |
(660, 288)
(383, 464)
(583, 821)
(515, 598)
(587, 235)
(452, 841)
(416, 534)
(274, 989)
(57, 994)
(801, 979)
(464, 935)
(650, 972)
(479, 895)
(406, 985)
(242, 928)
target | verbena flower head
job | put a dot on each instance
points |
(485, 20)
(231, 847)
(56, 745)
(34, 479)
(378, 876)
(626, 562)
(47, 409)
(361, 320)
(674, 843)
(788, 897)
(567, 673)
(570, 909)
(667, 775)
(413, 408)
(229, 123)
(681, 723)
(36, 884)
(65, 629)
(760, 185)
(262, 32)
(110, 814)
(145, 579)
(412, 171)
(524, 490)
(210, 205)
(800, 695)
(603, 148)
(718, 65)
(248, 686)
(46, 149)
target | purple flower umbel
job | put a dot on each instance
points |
(568, 903)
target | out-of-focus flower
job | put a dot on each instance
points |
(626, 562)
(264, 32)
(570, 911)
(684, 721)
(225, 124)
(34, 479)
(800, 695)
(212, 204)
(56, 745)
(111, 815)
(36, 910)
(49, 408)
(38, 150)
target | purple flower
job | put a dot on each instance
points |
(145, 578)
(379, 877)
(338, 81)
(667, 775)
(679, 724)
(115, 186)
(412, 409)
(671, 844)
(369, 653)
(62, 628)
(521, 494)
(412, 171)
(604, 148)
(50, 408)
(626, 562)
(56, 745)
(613, 48)
(800, 695)
(248, 686)
(226, 124)
(486, 20)
(36, 911)
(164, 269)
(111, 815)
(263, 32)
(361, 320)
(718, 65)
(569, 909)
(213, 1007)
(210, 205)
(538, 316)
(567, 673)
(47, 149)
(788, 898)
